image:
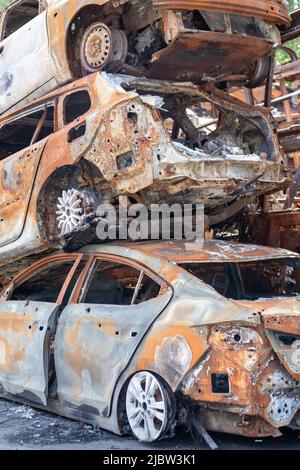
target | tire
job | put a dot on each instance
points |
(150, 406)
(65, 206)
(102, 48)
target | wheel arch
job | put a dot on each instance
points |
(82, 174)
(84, 16)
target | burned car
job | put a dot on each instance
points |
(59, 41)
(133, 341)
(95, 140)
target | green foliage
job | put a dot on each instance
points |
(281, 56)
(3, 3)
(293, 4)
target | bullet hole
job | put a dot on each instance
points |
(132, 118)
(237, 338)
(41, 328)
(133, 334)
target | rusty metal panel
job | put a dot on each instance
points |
(27, 67)
(206, 54)
(282, 316)
(25, 329)
(93, 346)
(291, 71)
(17, 174)
(294, 30)
(276, 228)
(210, 251)
(272, 10)
(289, 353)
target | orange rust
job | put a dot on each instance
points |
(240, 363)
(13, 356)
(195, 340)
(271, 10)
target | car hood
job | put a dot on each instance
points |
(281, 319)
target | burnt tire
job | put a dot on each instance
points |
(67, 205)
(102, 48)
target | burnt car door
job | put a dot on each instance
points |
(26, 70)
(22, 142)
(97, 337)
(28, 320)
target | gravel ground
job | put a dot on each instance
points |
(22, 427)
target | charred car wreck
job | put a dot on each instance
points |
(200, 337)
(199, 41)
(131, 98)
(97, 138)
(130, 129)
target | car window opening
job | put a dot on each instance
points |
(251, 280)
(75, 105)
(19, 15)
(117, 284)
(19, 134)
(46, 284)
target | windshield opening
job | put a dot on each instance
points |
(250, 280)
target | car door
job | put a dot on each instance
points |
(28, 320)
(26, 67)
(22, 142)
(97, 337)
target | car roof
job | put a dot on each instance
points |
(183, 251)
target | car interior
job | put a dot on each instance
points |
(19, 15)
(109, 284)
(250, 280)
(22, 132)
(117, 284)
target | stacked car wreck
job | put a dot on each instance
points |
(101, 100)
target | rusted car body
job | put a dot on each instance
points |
(278, 228)
(212, 330)
(59, 41)
(293, 31)
(288, 76)
(94, 140)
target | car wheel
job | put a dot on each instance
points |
(102, 47)
(149, 407)
(73, 210)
